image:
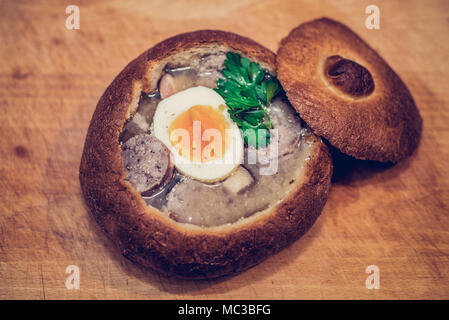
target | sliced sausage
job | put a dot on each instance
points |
(288, 125)
(147, 162)
(287, 133)
(167, 86)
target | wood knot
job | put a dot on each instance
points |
(348, 76)
(21, 151)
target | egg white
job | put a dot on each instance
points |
(170, 108)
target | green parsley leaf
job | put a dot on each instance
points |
(248, 90)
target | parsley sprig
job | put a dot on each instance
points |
(248, 90)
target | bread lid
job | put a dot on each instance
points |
(347, 93)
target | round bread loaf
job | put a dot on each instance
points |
(146, 235)
(347, 93)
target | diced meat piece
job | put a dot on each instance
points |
(239, 181)
(147, 162)
(167, 86)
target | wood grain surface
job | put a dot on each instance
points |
(395, 217)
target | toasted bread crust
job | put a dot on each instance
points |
(384, 125)
(148, 237)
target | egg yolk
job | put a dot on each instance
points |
(199, 133)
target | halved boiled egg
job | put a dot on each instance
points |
(195, 126)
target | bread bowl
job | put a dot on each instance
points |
(205, 247)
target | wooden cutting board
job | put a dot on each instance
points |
(394, 217)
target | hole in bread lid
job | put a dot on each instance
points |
(348, 76)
